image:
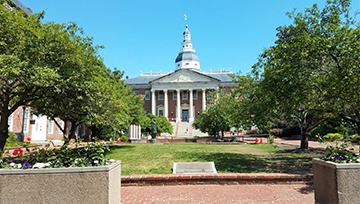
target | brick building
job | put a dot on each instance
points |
(180, 95)
(39, 129)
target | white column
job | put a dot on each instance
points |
(191, 108)
(203, 99)
(178, 106)
(166, 111)
(153, 102)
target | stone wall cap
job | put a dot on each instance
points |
(337, 165)
(113, 164)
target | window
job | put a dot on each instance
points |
(147, 95)
(161, 96)
(184, 95)
(195, 95)
(187, 63)
(174, 95)
(50, 126)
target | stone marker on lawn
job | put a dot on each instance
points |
(194, 168)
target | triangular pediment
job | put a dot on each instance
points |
(184, 76)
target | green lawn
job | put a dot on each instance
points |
(159, 158)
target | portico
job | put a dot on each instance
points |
(185, 108)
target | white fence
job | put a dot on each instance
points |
(135, 132)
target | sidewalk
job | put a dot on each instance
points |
(312, 144)
(218, 194)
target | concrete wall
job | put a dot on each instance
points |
(336, 183)
(61, 185)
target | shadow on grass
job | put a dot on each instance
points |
(247, 163)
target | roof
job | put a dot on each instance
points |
(141, 79)
(223, 77)
(20, 6)
(187, 55)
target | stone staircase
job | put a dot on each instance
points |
(185, 129)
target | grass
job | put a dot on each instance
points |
(158, 159)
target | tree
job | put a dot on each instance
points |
(218, 116)
(301, 73)
(251, 104)
(23, 77)
(115, 108)
(56, 70)
(163, 125)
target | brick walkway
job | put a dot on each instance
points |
(296, 143)
(218, 194)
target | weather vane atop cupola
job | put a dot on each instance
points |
(186, 20)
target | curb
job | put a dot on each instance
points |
(227, 179)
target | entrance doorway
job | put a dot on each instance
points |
(185, 115)
(38, 133)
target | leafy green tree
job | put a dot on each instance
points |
(81, 71)
(218, 117)
(251, 104)
(56, 70)
(23, 76)
(163, 125)
(116, 107)
(302, 76)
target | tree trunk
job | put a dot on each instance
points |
(304, 139)
(73, 130)
(4, 130)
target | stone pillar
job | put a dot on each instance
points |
(153, 102)
(203, 99)
(191, 108)
(166, 110)
(178, 106)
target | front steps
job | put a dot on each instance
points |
(184, 130)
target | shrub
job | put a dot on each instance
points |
(124, 138)
(340, 150)
(93, 154)
(341, 154)
(12, 137)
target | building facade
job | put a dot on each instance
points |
(180, 95)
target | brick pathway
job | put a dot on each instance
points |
(218, 194)
(296, 143)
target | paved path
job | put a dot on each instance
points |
(312, 144)
(218, 194)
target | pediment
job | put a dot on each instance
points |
(184, 76)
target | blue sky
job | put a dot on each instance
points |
(145, 35)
